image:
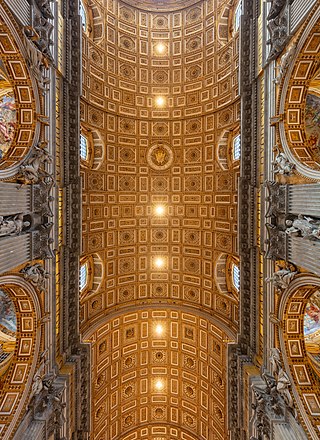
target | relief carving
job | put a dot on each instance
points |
(39, 36)
(13, 225)
(33, 169)
(282, 380)
(276, 199)
(285, 61)
(272, 398)
(36, 274)
(282, 277)
(278, 26)
(276, 243)
(305, 227)
(282, 165)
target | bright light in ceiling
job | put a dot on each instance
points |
(159, 210)
(160, 101)
(159, 384)
(159, 262)
(160, 48)
(159, 329)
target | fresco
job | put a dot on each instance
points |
(7, 112)
(313, 122)
(312, 115)
(312, 324)
(7, 313)
(8, 328)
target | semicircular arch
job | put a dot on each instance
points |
(162, 366)
(294, 137)
(17, 381)
(20, 128)
(306, 388)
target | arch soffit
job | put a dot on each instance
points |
(306, 389)
(292, 98)
(95, 274)
(18, 380)
(193, 339)
(13, 54)
(212, 318)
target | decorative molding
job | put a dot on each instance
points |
(241, 353)
(278, 26)
(292, 347)
(77, 354)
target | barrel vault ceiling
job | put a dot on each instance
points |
(170, 384)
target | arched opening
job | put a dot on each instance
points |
(229, 149)
(91, 275)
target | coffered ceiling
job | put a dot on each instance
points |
(176, 153)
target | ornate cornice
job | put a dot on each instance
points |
(241, 353)
(77, 353)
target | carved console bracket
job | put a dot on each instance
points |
(277, 201)
(278, 26)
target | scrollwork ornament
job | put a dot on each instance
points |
(276, 243)
(278, 26)
(276, 198)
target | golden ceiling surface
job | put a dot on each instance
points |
(161, 5)
(178, 154)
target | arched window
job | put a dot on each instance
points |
(237, 16)
(236, 277)
(83, 147)
(83, 279)
(83, 15)
(236, 147)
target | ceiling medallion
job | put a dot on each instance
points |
(160, 156)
